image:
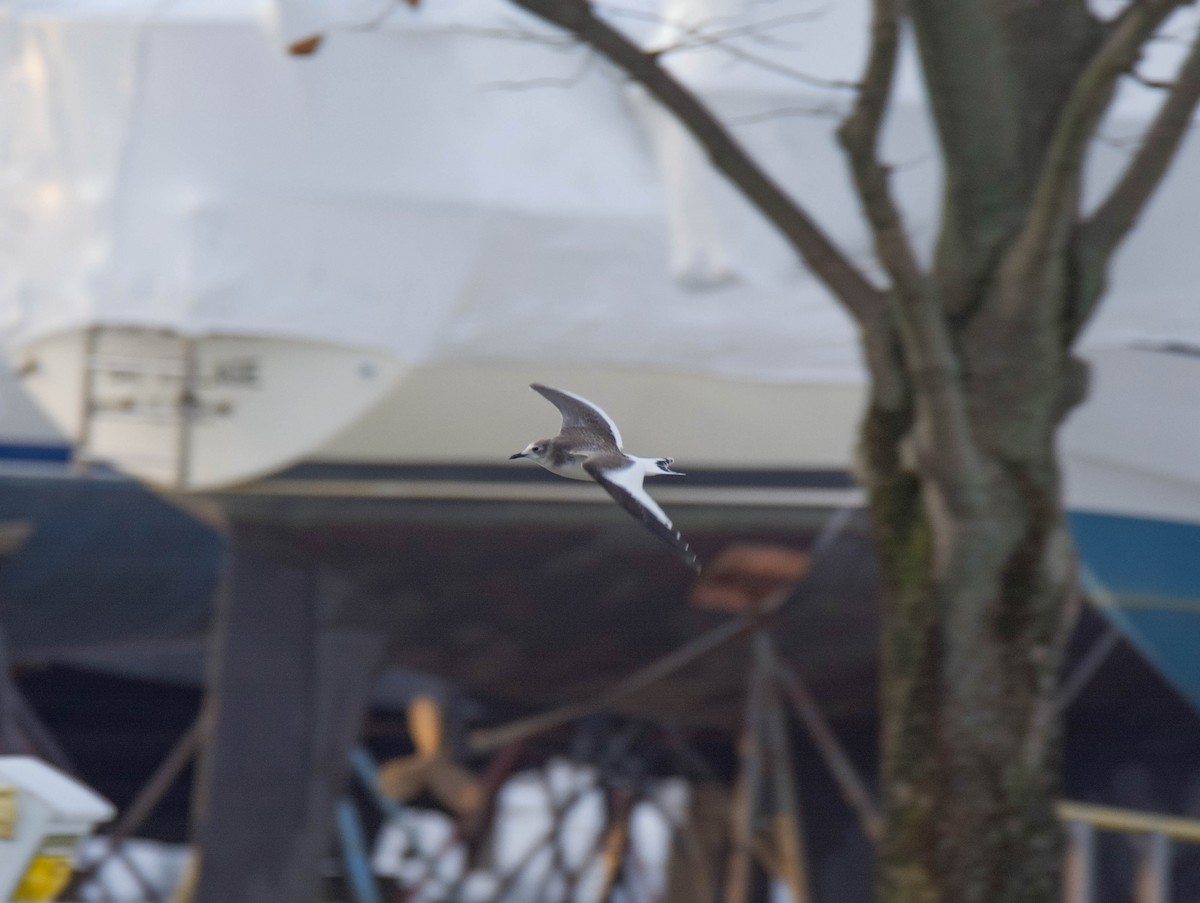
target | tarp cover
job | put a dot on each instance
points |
(454, 181)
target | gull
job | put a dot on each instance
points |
(588, 447)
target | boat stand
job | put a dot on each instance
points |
(295, 659)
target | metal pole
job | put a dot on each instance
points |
(1087, 667)
(354, 854)
(739, 879)
(1078, 869)
(787, 825)
(1154, 871)
(853, 788)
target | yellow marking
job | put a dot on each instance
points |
(8, 813)
(47, 874)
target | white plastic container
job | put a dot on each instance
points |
(43, 815)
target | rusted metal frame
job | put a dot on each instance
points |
(487, 739)
(12, 739)
(786, 823)
(615, 844)
(514, 874)
(1159, 832)
(355, 858)
(747, 790)
(575, 875)
(686, 831)
(37, 733)
(851, 785)
(468, 830)
(144, 803)
(559, 812)
(1087, 667)
(639, 884)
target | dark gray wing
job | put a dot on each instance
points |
(580, 414)
(625, 485)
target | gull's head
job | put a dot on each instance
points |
(535, 451)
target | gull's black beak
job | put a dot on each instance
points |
(517, 455)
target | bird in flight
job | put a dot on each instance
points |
(588, 447)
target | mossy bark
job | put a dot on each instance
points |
(960, 465)
(971, 648)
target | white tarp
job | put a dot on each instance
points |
(456, 182)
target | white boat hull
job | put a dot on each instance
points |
(196, 413)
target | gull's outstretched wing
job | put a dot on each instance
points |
(579, 413)
(625, 485)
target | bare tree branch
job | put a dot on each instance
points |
(859, 136)
(921, 325)
(823, 257)
(1115, 217)
(1048, 225)
(704, 31)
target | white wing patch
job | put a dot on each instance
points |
(631, 480)
(624, 484)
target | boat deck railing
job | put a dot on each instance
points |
(1153, 881)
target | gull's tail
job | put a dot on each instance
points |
(656, 466)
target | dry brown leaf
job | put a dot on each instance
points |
(305, 46)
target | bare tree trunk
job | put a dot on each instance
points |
(959, 460)
(974, 620)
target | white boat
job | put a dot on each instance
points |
(233, 269)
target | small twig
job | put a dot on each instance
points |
(819, 111)
(1058, 181)
(823, 256)
(516, 33)
(700, 30)
(812, 81)
(1113, 219)
(549, 81)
